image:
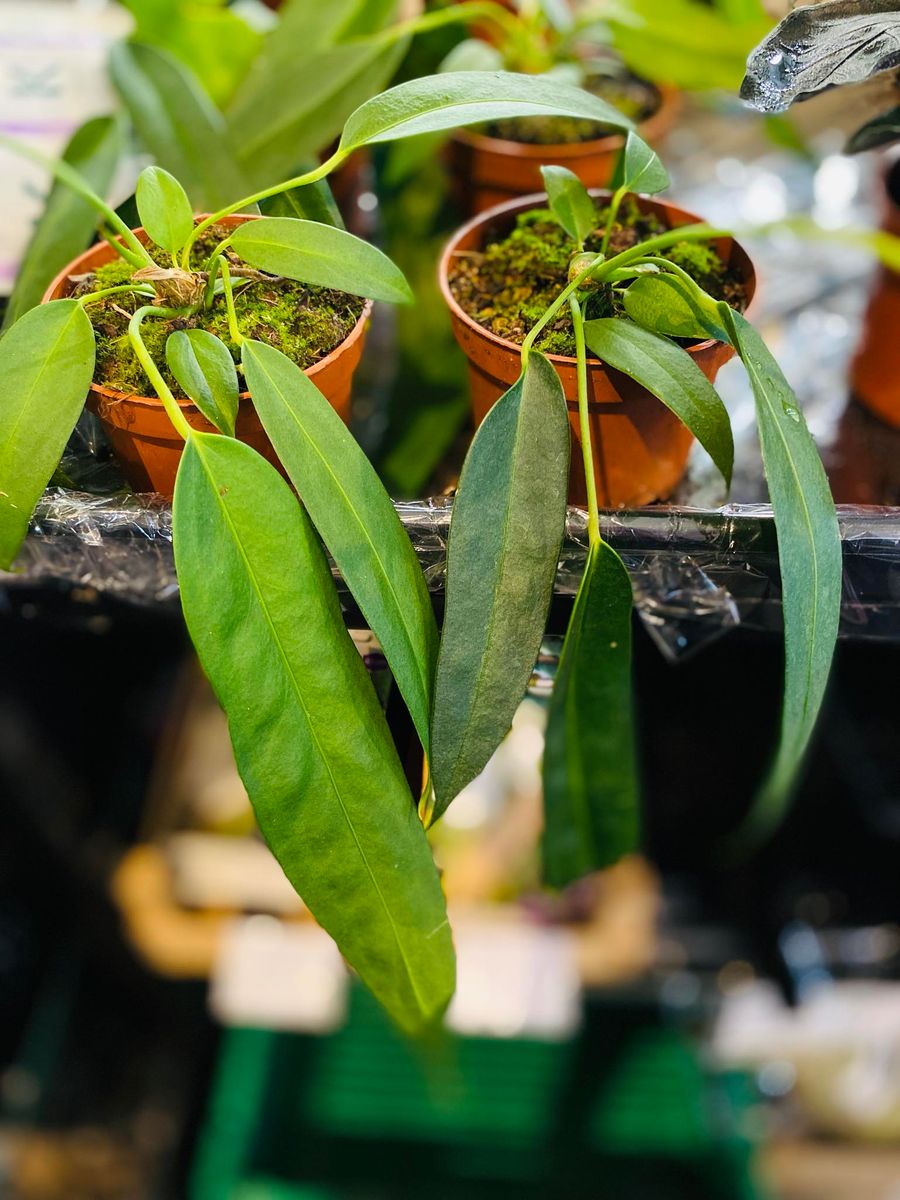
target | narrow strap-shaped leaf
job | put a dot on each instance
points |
(310, 739)
(467, 97)
(177, 123)
(164, 209)
(46, 365)
(320, 254)
(590, 777)
(505, 534)
(68, 221)
(204, 368)
(809, 554)
(669, 373)
(639, 168)
(355, 518)
(570, 202)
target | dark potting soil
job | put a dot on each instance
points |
(634, 98)
(509, 285)
(306, 323)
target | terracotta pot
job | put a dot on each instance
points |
(640, 447)
(487, 171)
(142, 436)
(875, 370)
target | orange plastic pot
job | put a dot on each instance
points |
(142, 437)
(488, 171)
(875, 370)
(640, 448)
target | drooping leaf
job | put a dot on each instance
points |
(669, 373)
(164, 209)
(570, 202)
(178, 124)
(205, 370)
(639, 169)
(310, 739)
(320, 254)
(671, 306)
(210, 39)
(46, 365)
(467, 97)
(68, 221)
(590, 774)
(294, 108)
(355, 518)
(508, 522)
(809, 554)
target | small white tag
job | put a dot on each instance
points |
(515, 980)
(272, 975)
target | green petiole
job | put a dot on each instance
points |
(170, 404)
(584, 423)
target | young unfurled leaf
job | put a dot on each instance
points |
(507, 526)
(639, 169)
(355, 518)
(590, 775)
(320, 254)
(669, 373)
(46, 365)
(570, 202)
(164, 208)
(204, 368)
(467, 97)
(68, 221)
(809, 553)
(177, 123)
(310, 740)
(673, 306)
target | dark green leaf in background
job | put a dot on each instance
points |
(68, 222)
(591, 814)
(355, 517)
(46, 365)
(508, 522)
(310, 739)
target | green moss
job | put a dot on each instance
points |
(509, 286)
(302, 321)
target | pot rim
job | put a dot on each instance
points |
(535, 200)
(108, 393)
(669, 98)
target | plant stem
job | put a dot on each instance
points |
(298, 181)
(615, 202)
(170, 404)
(236, 336)
(122, 251)
(134, 288)
(587, 449)
(553, 309)
(212, 275)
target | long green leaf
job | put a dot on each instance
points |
(669, 373)
(164, 209)
(46, 365)
(590, 777)
(670, 305)
(508, 522)
(320, 254)
(809, 553)
(68, 221)
(310, 739)
(570, 202)
(204, 368)
(467, 97)
(177, 123)
(355, 517)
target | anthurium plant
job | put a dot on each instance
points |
(309, 737)
(509, 517)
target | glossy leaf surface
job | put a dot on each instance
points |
(590, 778)
(355, 518)
(46, 365)
(505, 535)
(164, 209)
(570, 203)
(310, 739)
(204, 368)
(640, 169)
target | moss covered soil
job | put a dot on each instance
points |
(306, 323)
(509, 285)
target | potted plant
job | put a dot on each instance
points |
(259, 601)
(628, 302)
